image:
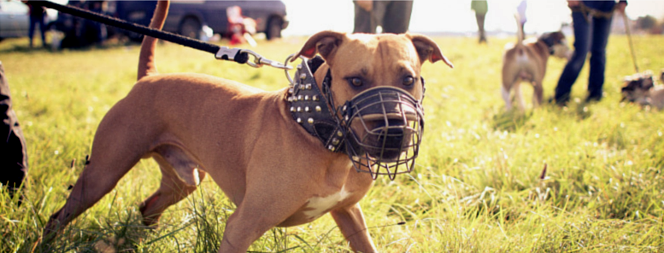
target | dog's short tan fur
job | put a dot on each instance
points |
(526, 61)
(245, 139)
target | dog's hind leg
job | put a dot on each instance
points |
(538, 94)
(115, 150)
(180, 177)
(506, 96)
(519, 96)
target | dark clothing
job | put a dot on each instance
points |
(36, 11)
(392, 16)
(604, 6)
(591, 35)
(37, 15)
(13, 153)
(480, 7)
(480, 26)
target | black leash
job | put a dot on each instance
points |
(222, 53)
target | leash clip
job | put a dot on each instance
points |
(259, 61)
(226, 53)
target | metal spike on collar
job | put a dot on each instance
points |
(310, 109)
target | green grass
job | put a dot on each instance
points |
(476, 186)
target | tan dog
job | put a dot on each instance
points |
(526, 62)
(640, 88)
(247, 140)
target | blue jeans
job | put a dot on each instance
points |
(34, 21)
(592, 37)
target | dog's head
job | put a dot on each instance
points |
(637, 87)
(376, 89)
(557, 44)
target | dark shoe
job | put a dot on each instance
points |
(593, 98)
(559, 102)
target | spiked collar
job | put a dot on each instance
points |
(310, 106)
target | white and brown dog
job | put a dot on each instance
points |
(526, 61)
(640, 88)
(285, 158)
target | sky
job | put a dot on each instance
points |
(433, 16)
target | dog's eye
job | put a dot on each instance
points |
(408, 81)
(355, 81)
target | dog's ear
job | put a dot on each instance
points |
(648, 82)
(427, 49)
(325, 43)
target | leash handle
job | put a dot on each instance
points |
(629, 39)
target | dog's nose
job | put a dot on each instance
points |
(389, 140)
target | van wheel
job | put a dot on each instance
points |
(191, 28)
(273, 29)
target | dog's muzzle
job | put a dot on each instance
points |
(384, 127)
(379, 129)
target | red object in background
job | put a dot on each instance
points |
(239, 25)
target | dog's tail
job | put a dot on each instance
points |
(519, 34)
(146, 63)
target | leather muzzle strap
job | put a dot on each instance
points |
(311, 109)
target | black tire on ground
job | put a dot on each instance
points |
(273, 29)
(191, 28)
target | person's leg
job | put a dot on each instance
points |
(480, 26)
(14, 160)
(31, 29)
(574, 65)
(601, 28)
(523, 32)
(362, 21)
(397, 17)
(42, 30)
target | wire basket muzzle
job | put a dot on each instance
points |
(384, 127)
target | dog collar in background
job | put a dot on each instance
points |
(549, 44)
(309, 107)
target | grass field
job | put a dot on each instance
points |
(477, 186)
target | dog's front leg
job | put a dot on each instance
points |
(351, 222)
(263, 208)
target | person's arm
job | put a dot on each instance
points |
(621, 6)
(573, 3)
(367, 5)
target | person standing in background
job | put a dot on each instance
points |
(37, 15)
(391, 16)
(591, 21)
(480, 7)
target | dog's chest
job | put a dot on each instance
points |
(317, 206)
